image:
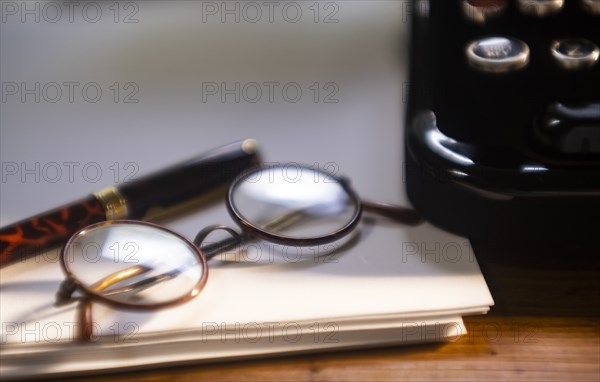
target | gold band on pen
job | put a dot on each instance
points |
(113, 203)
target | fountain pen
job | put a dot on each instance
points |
(164, 189)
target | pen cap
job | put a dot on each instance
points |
(188, 180)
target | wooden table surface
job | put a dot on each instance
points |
(545, 326)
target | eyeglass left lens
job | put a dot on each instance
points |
(136, 264)
(294, 204)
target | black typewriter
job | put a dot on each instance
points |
(503, 118)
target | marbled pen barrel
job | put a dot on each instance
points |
(164, 189)
(32, 236)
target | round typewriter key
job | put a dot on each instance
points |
(591, 6)
(540, 8)
(574, 53)
(480, 11)
(497, 54)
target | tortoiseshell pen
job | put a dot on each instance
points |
(165, 189)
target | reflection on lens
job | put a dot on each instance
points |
(134, 263)
(294, 202)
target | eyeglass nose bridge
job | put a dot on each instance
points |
(214, 249)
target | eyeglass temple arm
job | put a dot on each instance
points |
(143, 284)
(84, 317)
(399, 214)
(84, 308)
(114, 278)
(69, 286)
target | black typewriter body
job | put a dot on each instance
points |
(503, 118)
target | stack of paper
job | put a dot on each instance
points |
(394, 285)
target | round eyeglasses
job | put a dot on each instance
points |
(143, 266)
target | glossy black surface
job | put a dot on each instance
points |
(570, 129)
(478, 161)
